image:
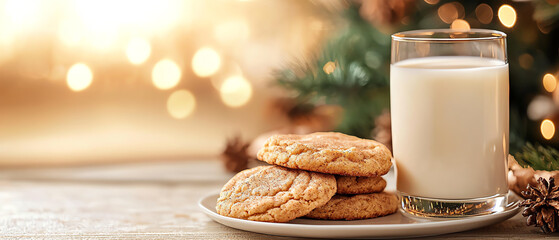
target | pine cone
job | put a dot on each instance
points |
(520, 177)
(235, 155)
(542, 205)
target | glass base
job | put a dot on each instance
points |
(443, 208)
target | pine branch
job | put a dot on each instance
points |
(538, 157)
(359, 81)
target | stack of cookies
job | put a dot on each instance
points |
(321, 175)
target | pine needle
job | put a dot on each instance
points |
(350, 71)
(538, 157)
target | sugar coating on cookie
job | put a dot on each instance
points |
(328, 152)
(353, 207)
(274, 194)
(359, 185)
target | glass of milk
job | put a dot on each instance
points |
(449, 100)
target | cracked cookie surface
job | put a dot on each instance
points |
(328, 152)
(359, 185)
(274, 194)
(353, 207)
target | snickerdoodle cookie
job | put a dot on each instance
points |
(274, 194)
(353, 207)
(359, 185)
(328, 152)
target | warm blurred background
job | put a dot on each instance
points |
(87, 81)
(114, 81)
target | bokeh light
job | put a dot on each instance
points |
(449, 12)
(138, 50)
(432, 2)
(547, 128)
(507, 15)
(460, 24)
(484, 13)
(166, 74)
(540, 107)
(526, 61)
(236, 91)
(549, 82)
(329, 67)
(181, 104)
(206, 62)
(79, 77)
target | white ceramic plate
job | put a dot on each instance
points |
(392, 226)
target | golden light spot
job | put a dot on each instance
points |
(329, 67)
(432, 2)
(449, 12)
(138, 50)
(460, 9)
(235, 91)
(181, 104)
(549, 82)
(548, 129)
(526, 60)
(166, 74)
(484, 13)
(206, 62)
(79, 77)
(460, 24)
(507, 15)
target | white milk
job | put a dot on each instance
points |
(450, 126)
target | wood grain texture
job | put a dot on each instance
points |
(141, 201)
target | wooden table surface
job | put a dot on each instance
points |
(142, 201)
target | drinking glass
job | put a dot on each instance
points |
(449, 100)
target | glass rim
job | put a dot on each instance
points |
(428, 35)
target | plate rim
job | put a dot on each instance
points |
(509, 212)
